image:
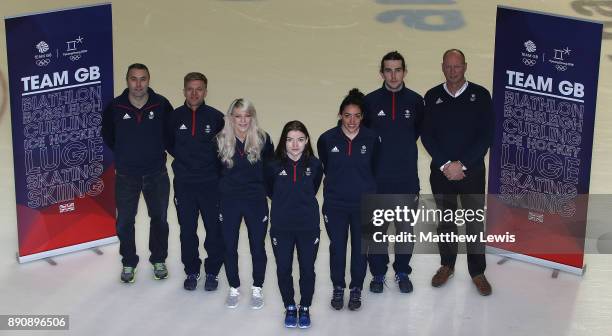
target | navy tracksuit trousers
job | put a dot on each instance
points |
(339, 222)
(306, 242)
(378, 261)
(255, 214)
(191, 201)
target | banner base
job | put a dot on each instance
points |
(541, 262)
(68, 249)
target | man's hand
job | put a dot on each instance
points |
(454, 171)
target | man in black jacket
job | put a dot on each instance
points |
(133, 128)
(457, 134)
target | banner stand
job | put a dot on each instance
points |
(68, 249)
(533, 260)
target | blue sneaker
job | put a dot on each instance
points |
(404, 283)
(211, 283)
(377, 284)
(291, 320)
(191, 282)
(304, 317)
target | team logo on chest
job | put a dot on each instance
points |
(207, 129)
(473, 97)
(439, 101)
(126, 116)
(407, 114)
(381, 113)
(282, 173)
(308, 172)
(363, 149)
(151, 115)
(183, 127)
(335, 149)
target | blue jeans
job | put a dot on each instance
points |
(156, 191)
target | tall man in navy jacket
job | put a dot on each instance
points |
(133, 128)
(191, 140)
(395, 113)
(457, 134)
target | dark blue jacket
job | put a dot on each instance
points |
(136, 136)
(348, 166)
(460, 128)
(397, 118)
(293, 188)
(191, 140)
(245, 180)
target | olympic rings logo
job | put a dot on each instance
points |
(75, 57)
(43, 62)
(561, 67)
(529, 62)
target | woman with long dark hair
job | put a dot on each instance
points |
(294, 178)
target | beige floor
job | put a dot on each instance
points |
(296, 60)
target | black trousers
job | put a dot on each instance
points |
(156, 191)
(306, 242)
(471, 191)
(192, 200)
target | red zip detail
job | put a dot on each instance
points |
(193, 123)
(294, 172)
(138, 116)
(350, 148)
(393, 107)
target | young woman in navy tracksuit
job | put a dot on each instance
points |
(347, 152)
(243, 147)
(294, 178)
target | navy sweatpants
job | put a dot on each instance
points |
(255, 214)
(306, 242)
(338, 223)
(379, 260)
(191, 201)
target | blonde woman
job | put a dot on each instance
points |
(243, 147)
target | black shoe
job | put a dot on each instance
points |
(337, 301)
(377, 284)
(211, 283)
(404, 283)
(355, 299)
(303, 317)
(191, 282)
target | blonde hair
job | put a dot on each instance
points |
(255, 137)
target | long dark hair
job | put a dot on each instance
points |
(281, 148)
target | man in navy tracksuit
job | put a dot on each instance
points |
(133, 128)
(457, 133)
(192, 131)
(395, 113)
(349, 172)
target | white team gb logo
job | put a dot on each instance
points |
(335, 150)
(207, 129)
(407, 114)
(274, 242)
(220, 217)
(473, 97)
(308, 172)
(151, 115)
(363, 149)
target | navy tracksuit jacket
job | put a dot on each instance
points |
(349, 173)
(397, 118)
(191, 140)
(243, 194)
(295, 219)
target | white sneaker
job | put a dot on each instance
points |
(257, 299)
(232, 298)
